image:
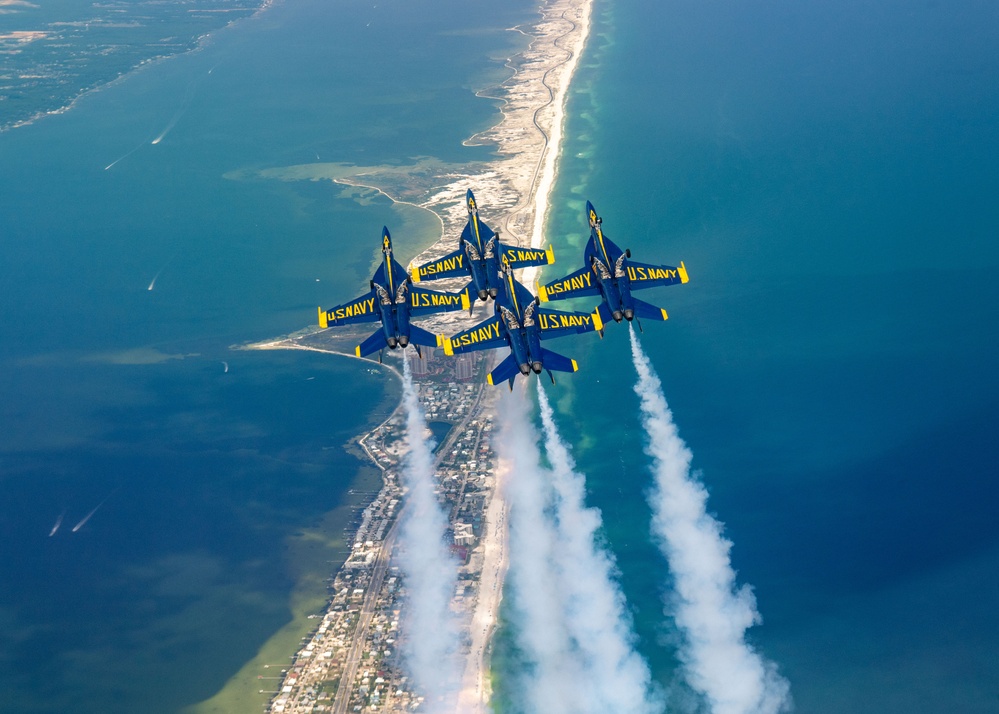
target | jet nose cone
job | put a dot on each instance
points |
(492, 292)
(483, 295)
(629, 315)
(536, 367)
(525, 369)
(391, 343)
(616, 315)
(403, 341)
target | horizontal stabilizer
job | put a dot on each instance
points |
(505, 371)
(374, 343)
(559, 363)
(419, 336)
(648, 311)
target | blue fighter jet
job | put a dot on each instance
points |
(394, 300)
(479, 255)
(520, 324)
(610, 273)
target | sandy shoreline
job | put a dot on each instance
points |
(564, 29)
(514, 193)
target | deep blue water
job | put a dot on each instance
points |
(826, 171)
(115, 396)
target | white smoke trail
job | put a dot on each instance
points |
(711, 612)
(555, 681)
(596, 615)
(429, 570)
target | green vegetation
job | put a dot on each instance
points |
(51, 53)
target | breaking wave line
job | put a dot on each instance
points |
(429, 571)
(711, 612)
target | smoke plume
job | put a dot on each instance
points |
(553, 675)
(711, 612)
(429, 570)
(616, 677)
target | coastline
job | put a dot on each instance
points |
(197, 44)
(518, 187)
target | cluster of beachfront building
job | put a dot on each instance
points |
(352, 661)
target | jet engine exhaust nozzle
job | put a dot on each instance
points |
(629, 315)
(391, 342)
(536, 366)
(617, 316)
(525, 369)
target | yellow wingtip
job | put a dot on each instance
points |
(665, 316)
(598, 324)
(465, 302)
(448, 349)
(550, 254)
(542, 293)
(489, 379)
(415, 273)
(357, 351)
(323, 323)
(682, 270)
(575, 367)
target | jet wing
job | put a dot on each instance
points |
(556, 323)
(426, 302)
(525, 257)
(452, 265)
(582, 283)
(487, 335)
(362, 309)
(643, 275)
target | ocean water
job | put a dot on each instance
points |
(129, 268)
(826, 172)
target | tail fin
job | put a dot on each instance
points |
(603, 312)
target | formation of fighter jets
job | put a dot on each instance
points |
(518, 322)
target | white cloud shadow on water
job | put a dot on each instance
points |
(710, 611)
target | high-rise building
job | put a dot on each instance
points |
(417, 364)
(464, 367)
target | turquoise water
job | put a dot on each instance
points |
(826, 171)
(124, 288)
